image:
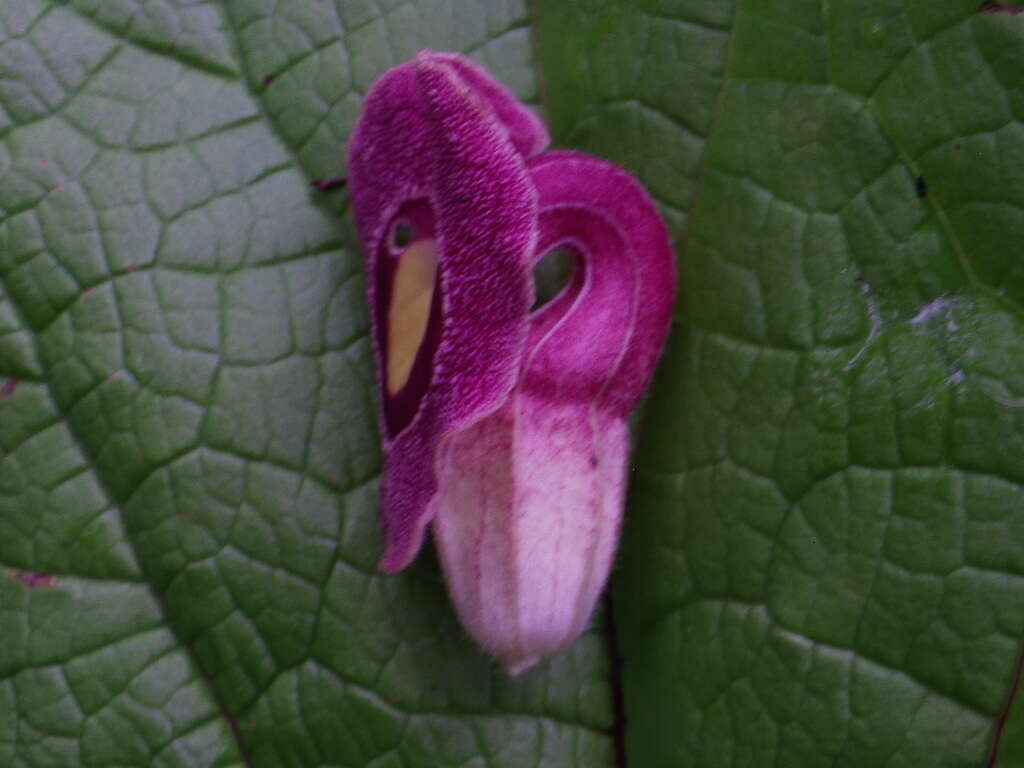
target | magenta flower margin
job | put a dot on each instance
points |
(505, 430)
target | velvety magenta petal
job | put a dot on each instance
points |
(431, 151)
(586, 338)
(530, 498)
(487, 211)
(526, 130)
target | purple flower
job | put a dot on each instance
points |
(506, 429)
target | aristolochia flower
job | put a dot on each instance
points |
(505, 429)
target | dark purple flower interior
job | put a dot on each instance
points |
(413, 222)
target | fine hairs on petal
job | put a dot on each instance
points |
(425, 135)
(504, 432)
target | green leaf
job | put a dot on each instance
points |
(823, 559)
(188, 441)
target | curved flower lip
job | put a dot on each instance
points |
(602, 346)
(438, 138)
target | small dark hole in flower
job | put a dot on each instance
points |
(401, 235)
(550, 275)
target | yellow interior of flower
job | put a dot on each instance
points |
(409, 310)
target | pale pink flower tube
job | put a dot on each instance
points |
(507, 430)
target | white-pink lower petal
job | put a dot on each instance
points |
(527, 517)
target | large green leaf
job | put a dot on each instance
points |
(824, 557)
(823, 560)
(189, 451)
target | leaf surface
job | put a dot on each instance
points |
(188, 439)
(822, 562)
(822, 559)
